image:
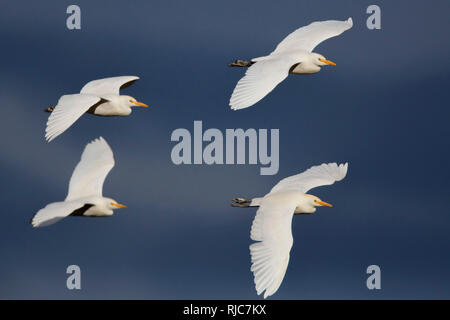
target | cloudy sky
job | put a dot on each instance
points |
(382, 109)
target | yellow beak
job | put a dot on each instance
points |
(331, 63)
(118, 205)
(323, 203)
(140, 104)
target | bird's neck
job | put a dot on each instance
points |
(304, 204)
(305, 67)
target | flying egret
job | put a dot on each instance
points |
(85, 188)
(272, 223)
(99, 97)
(292, 55)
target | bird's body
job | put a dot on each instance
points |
(84, 197)
(303, 62)
(272, 224)
(93, 207)
(292, 56)
(99, 97)
(112, 106)
(300, 200)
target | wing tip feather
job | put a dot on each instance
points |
(350, 21)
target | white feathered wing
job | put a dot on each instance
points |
(270, 256)
(259, 80)
(108, 86)
(308, 37)
(54, 212)
(90, 173)
(68, 110)
(316, 176)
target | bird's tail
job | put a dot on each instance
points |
(49, 109)
(244, 203)
(241, 63)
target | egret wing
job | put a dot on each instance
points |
(108, 86)
(67, 111)
(324, 174)
(54, 212)
(308, 37)
(270, 256)
(90, 173)
(259, 80)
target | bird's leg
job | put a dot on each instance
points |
(241, 63)
(241, 203)
(49, 109)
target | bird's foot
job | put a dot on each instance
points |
(49, 109)
(241, 203)
(241, 200)
(241, 63)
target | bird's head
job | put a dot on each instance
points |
(113, 204)
(316, 202)
(132, 102)
(320, 60)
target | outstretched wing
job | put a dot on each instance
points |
(90, 173)
(54, 212)
(260, 79)
(270, 256)
(308, 37)
(316, 176)
(67, 111)
(108, 85)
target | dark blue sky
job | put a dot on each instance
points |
(383, 108)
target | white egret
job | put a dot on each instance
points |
(273, 220)
(292, 55)
(85, 188)
(99, 97)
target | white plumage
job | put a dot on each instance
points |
(260, 79)
(107, 86)
(90, 173)
(322, 175)
(84, 197)
(270, 255)
(99, 97)
(308, 37)
(292, 55)
(272, 224)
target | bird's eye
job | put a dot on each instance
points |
(131, 101)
